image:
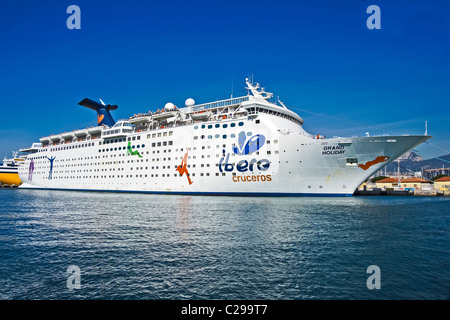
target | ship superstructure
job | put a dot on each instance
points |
(239, 146)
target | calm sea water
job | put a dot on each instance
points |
(136, 246)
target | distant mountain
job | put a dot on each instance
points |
(412, 161)
(410, 156)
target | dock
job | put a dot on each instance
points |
(391, 192)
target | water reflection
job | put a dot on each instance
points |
(184, 247)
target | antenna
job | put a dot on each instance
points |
(426, 128)
(231, 87)
(281, 102)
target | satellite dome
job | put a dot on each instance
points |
(169, 106)
(189, 102)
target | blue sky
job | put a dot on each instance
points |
(319, 57)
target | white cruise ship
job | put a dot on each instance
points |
(239, 146)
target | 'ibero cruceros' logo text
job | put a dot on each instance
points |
(246, 147)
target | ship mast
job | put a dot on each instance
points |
(258, 94)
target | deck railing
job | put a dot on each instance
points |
(221, 103)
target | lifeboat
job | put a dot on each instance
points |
(55, 138)
(67, 136)
(45, 139)
(81, 133)
(95, 130)
(140, 120)
(164, 115)
(202, 115)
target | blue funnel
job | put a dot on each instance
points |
(103, 115)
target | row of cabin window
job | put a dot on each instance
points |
(154, 144)
(164, 175)
(168, 167)
(121, 148)
(217, 136)
(217, 125)
(68, 147)
(107, 141)
(159, 134)
(134, 138)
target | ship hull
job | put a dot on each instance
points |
(9, 176)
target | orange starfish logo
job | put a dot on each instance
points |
(182, 169)
(100, 118)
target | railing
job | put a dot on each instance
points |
(221, 103)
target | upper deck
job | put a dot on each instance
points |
(249, 106)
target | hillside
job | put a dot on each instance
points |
(412, 161)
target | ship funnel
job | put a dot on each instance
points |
(103, 115)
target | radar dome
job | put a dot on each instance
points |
(169, 106)
(189, 102)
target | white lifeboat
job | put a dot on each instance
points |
(55, 138)
(201, 115)
(139, 120)
(67, 135)
(81, 133)
(95, 130)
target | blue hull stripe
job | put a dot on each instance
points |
(241, 194)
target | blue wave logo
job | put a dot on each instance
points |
(248, 146)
